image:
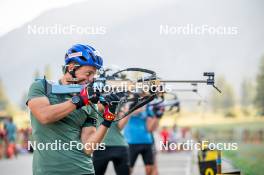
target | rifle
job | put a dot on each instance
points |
(131, 91)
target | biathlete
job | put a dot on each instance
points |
(67, 119)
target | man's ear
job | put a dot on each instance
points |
(64, 69)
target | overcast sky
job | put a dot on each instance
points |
(30, 9)
(133, 25)
(27, 10)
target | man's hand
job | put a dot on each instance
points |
(158, 111)
(87, 96)
(110, 104)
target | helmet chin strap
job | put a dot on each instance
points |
(72, 69)
(72, 72)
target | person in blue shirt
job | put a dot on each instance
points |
(138, 134)
(11, 133)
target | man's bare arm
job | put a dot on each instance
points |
(121, 124)
(47, 113)
(152, 123)
(90, 136)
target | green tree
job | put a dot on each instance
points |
(247, 93)
(11, 109)
(229, 99)
(259, 100)
(3, 98)
(225, 101)
(216, 98)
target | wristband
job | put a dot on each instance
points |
(77, 101)
(106, 123)
(108, 115)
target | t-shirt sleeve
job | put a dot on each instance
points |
(91, 119)
(36, 90)
(149, 111)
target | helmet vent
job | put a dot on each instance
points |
(92, 57)
(73, 50)
(83, 58)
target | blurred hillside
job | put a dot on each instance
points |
(132, 38)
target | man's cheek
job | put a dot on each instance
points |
(84, 82)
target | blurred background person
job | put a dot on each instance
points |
(11, 134)
(116, 148)
(138, 134)
(2, 138)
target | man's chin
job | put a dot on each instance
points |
(83, 82)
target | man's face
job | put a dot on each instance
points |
(85, 74)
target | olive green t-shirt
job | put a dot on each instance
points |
(113, 137)
(62, 159)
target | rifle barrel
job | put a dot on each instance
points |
(183, 81)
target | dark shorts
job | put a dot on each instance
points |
(146, 150)
(118, 154)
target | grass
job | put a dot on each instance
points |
(248, 158)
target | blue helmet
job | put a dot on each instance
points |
(84, 55)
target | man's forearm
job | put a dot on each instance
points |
(95, 138)
(59, 111)
(152, 123)
(121, 124)
(52, 113)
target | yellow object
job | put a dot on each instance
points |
(209, 155)
(209, 171)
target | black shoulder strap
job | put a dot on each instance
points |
(44, 81)
(45, 85)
